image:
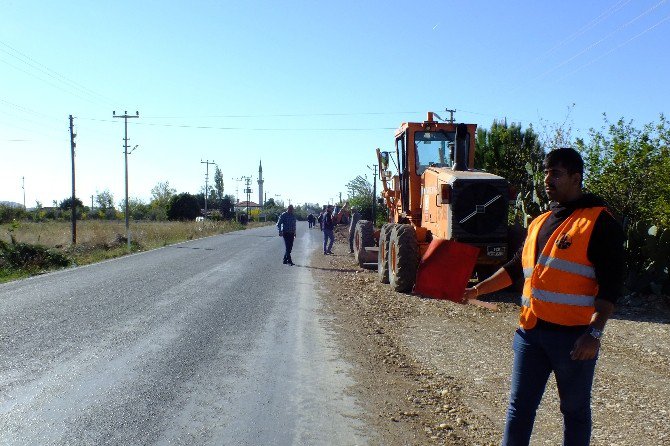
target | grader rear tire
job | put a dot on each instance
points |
(383, 257)
(363, 238)
(403, 258)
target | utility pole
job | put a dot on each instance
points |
(237, 196)
(374, 190)
(451, 115)
(73, 206)
(125, 117)
(23, 186)
(91, 203)
(247, 190)
(208, 162)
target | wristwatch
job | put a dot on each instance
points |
(596, 333)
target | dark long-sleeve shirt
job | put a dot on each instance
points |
(286, 222)
(605, 251)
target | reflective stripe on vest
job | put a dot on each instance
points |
(566, 265)
(560, 287)
(563, 298)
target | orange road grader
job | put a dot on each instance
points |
(432, 191)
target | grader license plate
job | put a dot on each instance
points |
(496, 251)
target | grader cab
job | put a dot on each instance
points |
(432, 191)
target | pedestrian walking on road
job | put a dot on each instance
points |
(572, 263)
(355, 216)
(287, 229)
(328, 224)
(320, 218)
(310, 220)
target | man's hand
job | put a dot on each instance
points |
(586, 347)
(470, 293)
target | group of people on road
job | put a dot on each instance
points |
(286, 225)
(572, 263)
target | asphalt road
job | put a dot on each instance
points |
(213, 341)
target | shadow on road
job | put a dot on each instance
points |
(339, 270)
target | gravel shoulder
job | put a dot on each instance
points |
(435, 372)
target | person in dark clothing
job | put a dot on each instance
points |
(355, 217)
(328, 224)
(287, 229)
(320, 218)
(310, 220)
(573, 269)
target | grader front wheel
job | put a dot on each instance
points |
(363, 238)
(383, 256)
(403, 258)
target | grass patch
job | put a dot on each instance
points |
(33, 248)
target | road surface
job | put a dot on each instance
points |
(213, 341)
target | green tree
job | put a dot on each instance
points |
(218, 183)
(183, 206)
(360, 193)
(161, 194)
(137, 209)
(516, 155)
(66, 204)
(105, 200)
(227, 207)
(630, 169)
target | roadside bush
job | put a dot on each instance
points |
(183, 207)
(630, 169)
(9, 213)
(30, 257)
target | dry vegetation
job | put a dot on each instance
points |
(99, 240)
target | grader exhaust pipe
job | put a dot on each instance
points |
(461, 148)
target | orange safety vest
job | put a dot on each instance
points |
(561, 288)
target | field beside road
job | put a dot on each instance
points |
(99, 240)
(436, 372)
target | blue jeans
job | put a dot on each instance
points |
(537, 353)
(328, 234)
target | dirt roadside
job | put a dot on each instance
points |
(434, 372)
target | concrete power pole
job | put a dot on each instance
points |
(374, 190)
(73, 206)
(208, 162)
(247, 190)
(125, 117)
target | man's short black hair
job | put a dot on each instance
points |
(567, 157)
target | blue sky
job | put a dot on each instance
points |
(310, 88)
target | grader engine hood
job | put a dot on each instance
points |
(476, 203)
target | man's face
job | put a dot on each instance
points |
(560, 185)
(329, 209)
(290, 209)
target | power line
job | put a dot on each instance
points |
(617, 7)
(284, 115)
(615, 48)
(598, 42)
(32, 63)
(208, 127)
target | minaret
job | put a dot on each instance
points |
(260, 184)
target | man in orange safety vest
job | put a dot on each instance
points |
(572, 264)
